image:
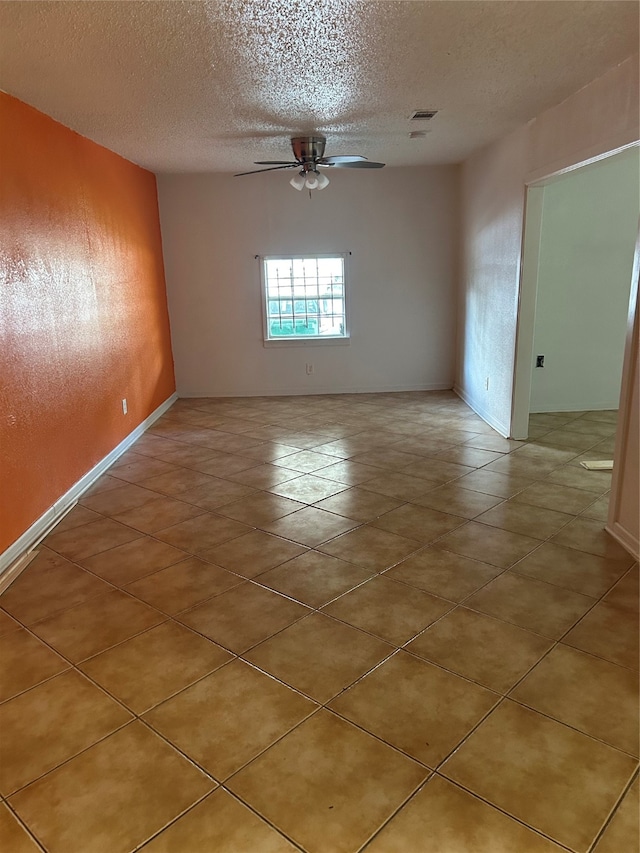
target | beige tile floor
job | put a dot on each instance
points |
(329, 624)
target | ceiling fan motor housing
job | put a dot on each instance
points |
(308, 149)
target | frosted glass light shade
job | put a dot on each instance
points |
(298, 181)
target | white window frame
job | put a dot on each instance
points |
(308, 341)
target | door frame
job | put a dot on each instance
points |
(528, 288)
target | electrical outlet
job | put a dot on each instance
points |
(124, 405)
(309, 369)
(486, 384)
(539, 361)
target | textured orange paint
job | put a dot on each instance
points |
(83, 310)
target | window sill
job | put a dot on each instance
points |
(314, 342)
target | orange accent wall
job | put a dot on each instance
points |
(83, 309)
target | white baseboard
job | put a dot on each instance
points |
(40, 528)
(628, 541)
(543, 409)
(308, 392)
(488, 418)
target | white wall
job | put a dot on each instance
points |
(599, 118)
(589, 227)
(401, 227)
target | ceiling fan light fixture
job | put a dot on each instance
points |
(323, 181)
(298, 181)
(311, 182)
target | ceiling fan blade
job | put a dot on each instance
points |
(272, 169)
(275, 163)
(362, 164)
(341, 158)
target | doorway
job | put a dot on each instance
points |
(578, 247)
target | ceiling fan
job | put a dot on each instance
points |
(309, 154)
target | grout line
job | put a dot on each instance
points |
(613, 812)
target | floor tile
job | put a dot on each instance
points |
(175, 482)
(253, 553)
(443, 573)
(96, 625)
(13, 837)
(503, 762)
(243, 617)
(454, 821)
(78, 516)
(358, 504)
(269, 452)
(103, 484)
(491, 545)
(264, 476)
(113, 796)
(571, 569)
(493, 442)
(492, 483)
(149, 668)
(489, 651)
(126, 563)
(403, 487)
(388, 458)
(294, 657)
(217, 492)
(114, 501)
(584, 534)
(82, 542)
(225, 464)
(314, 578)
(597, 482)
(519, 464)
(598, 510)
(556, 497)
(308, 488)
(453, 499)
(157, 514)
(328, 785)
(472, 457)
(25, 662)
(415, 706)
(565, 438)
(7, 624)
(416, 522)
(134, 472)
(183, 585)
(625, 593)
(525, 519)
(305, 461)
(370, 548)
(437, 470)
(259, 508)
(623, 832)
(392, 611)
(609, 632)
(591, 695)
(202, 533)
(220, 823)
(310, 526)
(229, 717)
(50, 723)
(50, 584)
(348, 472)
(541, 607)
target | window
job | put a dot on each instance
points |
(304, 298)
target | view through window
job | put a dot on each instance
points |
(305, 297)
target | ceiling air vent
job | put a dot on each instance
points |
(422, 115)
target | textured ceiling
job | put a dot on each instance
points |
(213, 86)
